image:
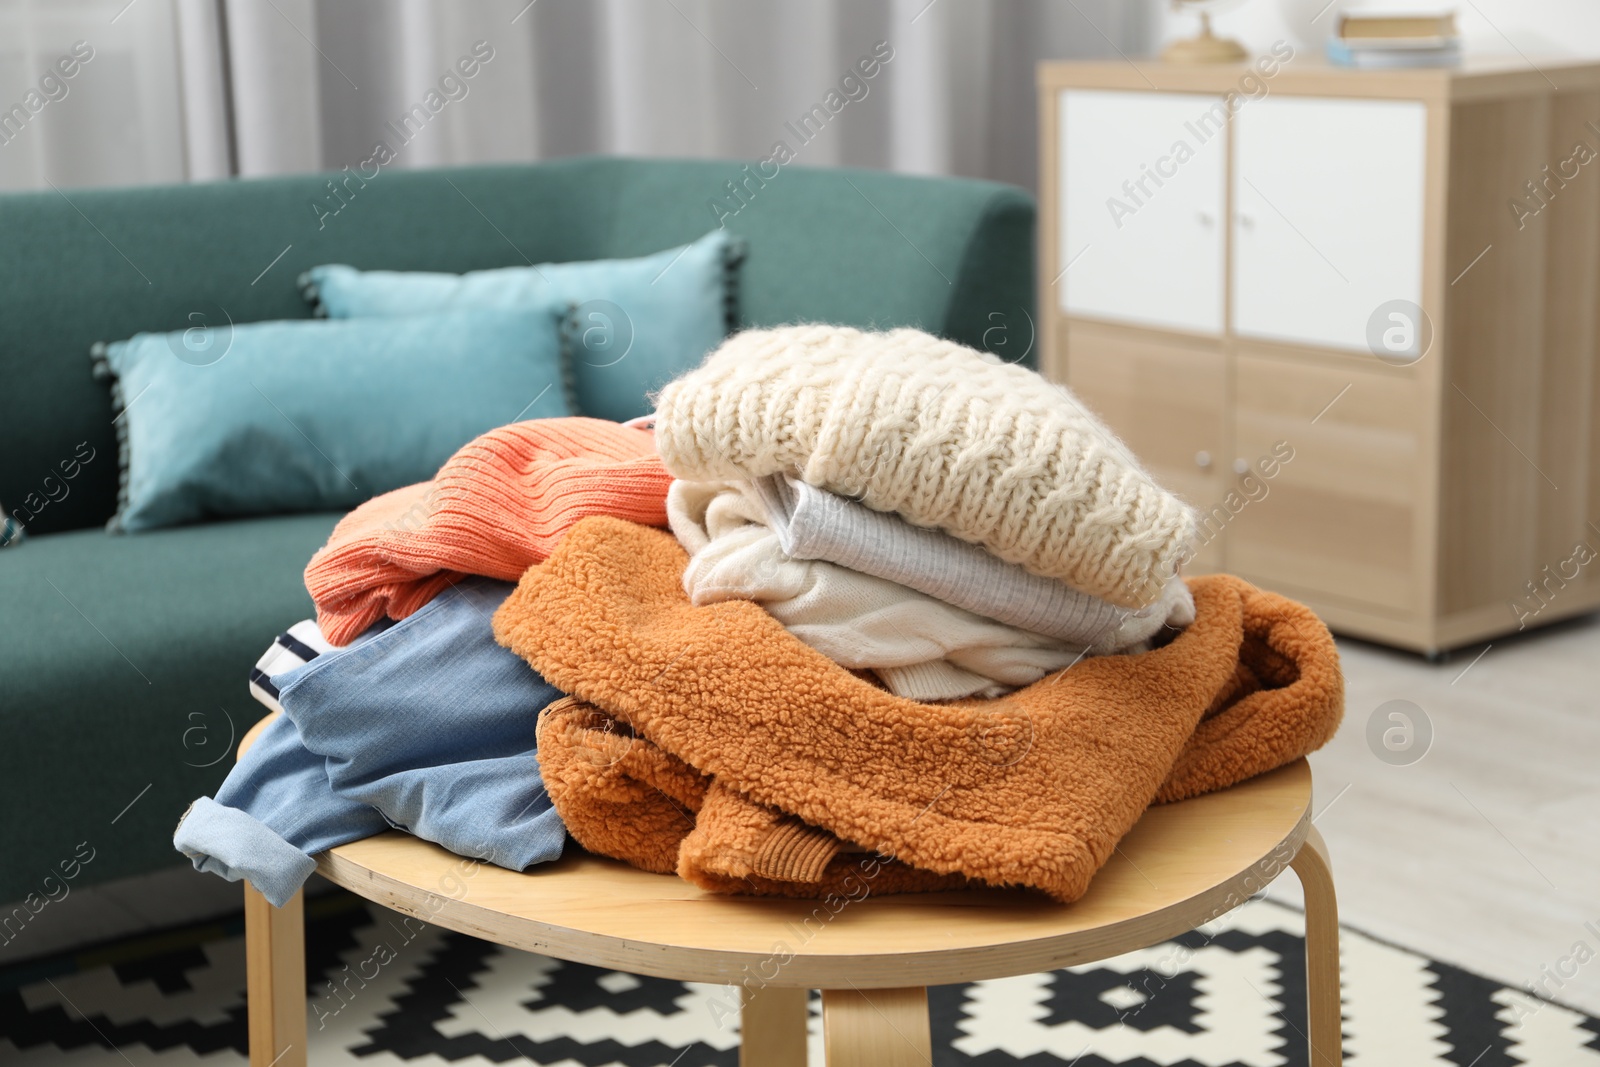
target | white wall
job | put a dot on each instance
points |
(1488, 27)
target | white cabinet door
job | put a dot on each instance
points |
(1142, 195)
(1327, 216)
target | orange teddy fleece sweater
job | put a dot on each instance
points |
(497, 506)
(709, 741)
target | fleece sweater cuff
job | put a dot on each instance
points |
(226, 841)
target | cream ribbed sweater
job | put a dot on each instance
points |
(943, 435)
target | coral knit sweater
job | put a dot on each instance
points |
(496, 507)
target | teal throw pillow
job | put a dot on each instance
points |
(635, 324)
(310, 415)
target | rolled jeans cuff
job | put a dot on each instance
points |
(226, 841)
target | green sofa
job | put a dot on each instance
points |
(123, 658)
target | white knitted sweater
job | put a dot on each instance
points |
(943, 435)
(921, 648)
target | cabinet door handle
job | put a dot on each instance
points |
(1241, 467)
(1247, 222)
(1205, 218)
(1202, 459)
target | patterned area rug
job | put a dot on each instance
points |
(387, 991)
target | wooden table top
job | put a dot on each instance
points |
(1181, 866)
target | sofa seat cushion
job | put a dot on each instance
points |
(123, 665)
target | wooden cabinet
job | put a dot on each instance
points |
(1354, 325)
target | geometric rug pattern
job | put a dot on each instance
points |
(386, 991)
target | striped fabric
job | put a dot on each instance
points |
(295, 647)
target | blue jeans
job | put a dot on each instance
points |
(426, 726)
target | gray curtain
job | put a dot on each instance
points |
(318, 83)
(89, 93)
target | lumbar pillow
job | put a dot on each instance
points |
(307, 415)
(635, 325)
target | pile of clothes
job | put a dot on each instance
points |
(861, 608)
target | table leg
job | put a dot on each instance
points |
(275, 975)
(772, 1028)
(1323, 1004)
(876, 1027)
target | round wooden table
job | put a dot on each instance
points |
(1180, 867)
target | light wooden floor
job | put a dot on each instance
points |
(1486, 852)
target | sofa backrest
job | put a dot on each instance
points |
(862, 248)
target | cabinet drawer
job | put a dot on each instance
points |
(1166, 399)
(1340, 518)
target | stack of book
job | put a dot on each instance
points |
(1396, 41)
